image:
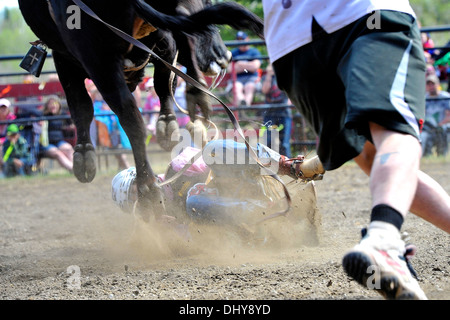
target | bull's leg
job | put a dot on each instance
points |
(197, 127)
(72, 78)
(195, 96)
(167, 129)
(114, 90)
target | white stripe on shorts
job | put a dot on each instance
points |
(397, 94)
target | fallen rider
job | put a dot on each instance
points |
(224, 185)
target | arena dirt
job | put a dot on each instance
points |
(60, 239)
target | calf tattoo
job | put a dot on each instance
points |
(384, 157)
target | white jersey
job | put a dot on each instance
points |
(288, 22)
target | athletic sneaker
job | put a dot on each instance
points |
(379, 262)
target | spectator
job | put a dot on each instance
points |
(31, 130)
(443, 66)
(430, 70)
(5, 114)
(427, 42)
(276, 118)
(437, 118)
(180, 99)
(428, 58)
(429, 45)
(91, 88)
(247, 75)
(117, 136)
(16, 154)
(53, 144)
(152, 103)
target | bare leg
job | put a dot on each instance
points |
(239, 91)
(67, 150)
(249, 92)
(431, 202)
(59, 156)
(393, 178)
(393, 168)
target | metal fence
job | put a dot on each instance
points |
(301, 141)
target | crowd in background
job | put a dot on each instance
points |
(23, 146)
(436, 129)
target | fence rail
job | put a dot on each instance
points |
(256, 107)
(233, 43)
(67, 116)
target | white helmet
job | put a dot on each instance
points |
(123, 189)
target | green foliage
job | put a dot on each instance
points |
(15, 35)
(12, 25)
(253, 5)
(228, 34)
(431, 13)
(15, 38)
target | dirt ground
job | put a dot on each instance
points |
(60, 239)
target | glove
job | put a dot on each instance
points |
(301, 168)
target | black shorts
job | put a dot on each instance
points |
(342, 81)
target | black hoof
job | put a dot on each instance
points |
(84, 163)
(167, 131)
(151, 202)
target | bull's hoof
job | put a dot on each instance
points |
(167, 131)
(151, 202)
(198, 133)
(84, 162)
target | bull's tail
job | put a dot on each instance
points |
(232, 14)
(228, 13)
(161, 20)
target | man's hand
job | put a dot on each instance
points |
(247, 66)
